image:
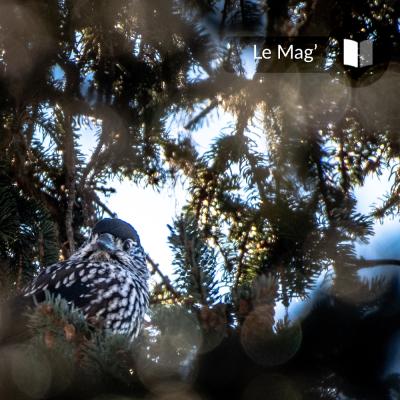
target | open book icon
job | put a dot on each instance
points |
(357, 54)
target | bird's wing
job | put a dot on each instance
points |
(77, 283)
(101, 290)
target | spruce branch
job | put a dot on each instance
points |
(240, 266)
(224, 16)
(70, 184)
(103, 206)
(166, 281)
(191, 124)
(91, 165)
(370, 263)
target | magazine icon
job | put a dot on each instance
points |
(357, 54)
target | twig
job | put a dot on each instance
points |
(223, 253)
(202, 114)
(362, 263)
(240, 263)
(224, 15)
(165, 279)
(93, 159)
(242, 11)
(103, 206)
(69, 164)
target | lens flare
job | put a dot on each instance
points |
(263, 345)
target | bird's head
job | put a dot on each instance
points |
(112, 234)
(112, 239)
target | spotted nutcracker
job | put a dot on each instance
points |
(106, 278)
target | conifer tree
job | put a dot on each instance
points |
(272, 200)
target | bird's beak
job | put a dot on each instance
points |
(105, 242)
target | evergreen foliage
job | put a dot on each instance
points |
(195, 262)
(272, 200)
(28, 238)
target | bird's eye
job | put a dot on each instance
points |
(128, 244)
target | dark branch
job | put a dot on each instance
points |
(202, 114)
(166, 281)
(362, 263)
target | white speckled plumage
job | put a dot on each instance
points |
(109, 284)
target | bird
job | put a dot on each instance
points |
(106, 278)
